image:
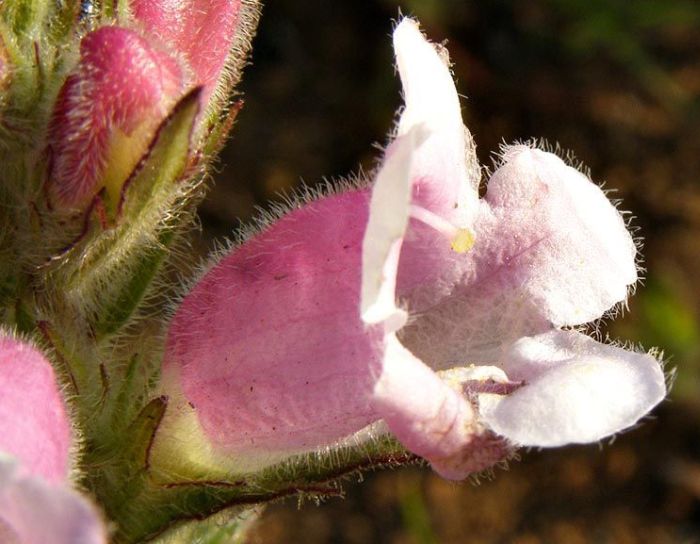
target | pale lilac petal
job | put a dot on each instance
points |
(587, 259)
(431, 416)
(577, 390)
(485, 308)
(427, 415)
(388, 218)
(540, 259)
(33, 511)
(269, 348)
(34, 426)
(445, 169)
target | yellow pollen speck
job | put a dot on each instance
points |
(463, 241)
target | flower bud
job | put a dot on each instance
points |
(107, 114)
(202, 31)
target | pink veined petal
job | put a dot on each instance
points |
(121, 90)
(540, 259)
(389, 211)
(577, 390)
(445, 168)
(33, 511)
(269, 346)
(34, 427)
(203, 31)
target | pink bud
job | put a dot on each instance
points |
(202, 31)
(107, 113)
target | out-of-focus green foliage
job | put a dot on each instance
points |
(663, 315)
(414, 513)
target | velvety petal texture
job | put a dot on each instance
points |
(588, 260)
(577, 390)
(37, 505)
(107, 113)
(432, 420)
(445, 168)
(550, 250)
(33, 511)
(273, 332)
(202, 31)
(33, 423)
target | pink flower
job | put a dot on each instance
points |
(107, 113)
(36, 504)
(416, 304)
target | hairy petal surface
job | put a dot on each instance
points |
(33, 511)
(34, 427)
(107, 113)
(540, 260)
(444, 173)
(587, 261)
(428, 416)
(201, 30)
(269, 346)
(576, 390)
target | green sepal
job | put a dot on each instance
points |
(229, 526)
(106, 273)
(25, 17)
(116, 314)
(155, 509)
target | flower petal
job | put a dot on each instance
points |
(586, 257)
(35, 512)
(577, 390)
(269, 348)
(34, 427)
(388, 218)
(445, 169)
(550, 250)
(428, 416)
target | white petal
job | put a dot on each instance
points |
(428, 416)
(446, 166)
(577, 390)
(574, 241)
(388, 218)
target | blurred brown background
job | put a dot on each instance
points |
(617, 82)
